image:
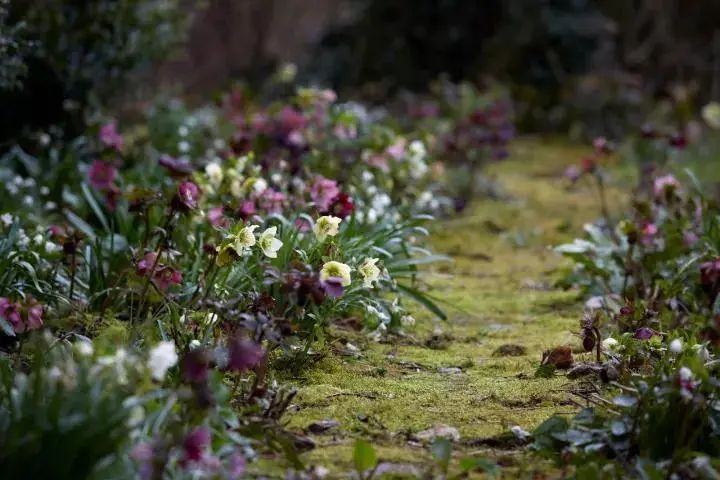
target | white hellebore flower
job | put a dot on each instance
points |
(162, 357)
(214, 172)
(336, 269)
(609, 344)
(268, 243)
(245, 238)
(676, 346)
(327, 226)
(369, 271)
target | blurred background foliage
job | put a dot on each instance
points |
(585, 66)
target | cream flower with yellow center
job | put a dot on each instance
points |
(369, 271)
(327, 226)
(338, 270)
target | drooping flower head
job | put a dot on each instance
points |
(101, 175)
(162, 357)
(268, 243)
(333, 287)
(244, 354)
(195, 444)
(342, 205)
(665, 186)
(326, 226)
(336, 269)
(187, 196)
(369, 271)
(110, 136)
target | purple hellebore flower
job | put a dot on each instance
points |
(644, 333)
(323, 192)
(244, 354)
(333, 287)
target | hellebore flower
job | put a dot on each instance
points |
(101, 175)
(216, 217)
(644, 333)
(34, 313)
(214, 172)
(336, 269)
(247, 209)
(110, 137)
(333, 287)
(196, 366)
(323, 192)
(369, 271)
(195, 444)
(175, 167)
(326, 226)
(342, 205)
(272, 200)
(10, 311)
(268, 243)
(665, 186)
(572, 173)
(244, 354)
(711, 115)
(187, 196)
(162, 357)
(245, 238)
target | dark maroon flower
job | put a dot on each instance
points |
(244, 354)
(710, 277)
(195, 444)
(333, 287)
(187, 196)
(342, 205)
(101, 175)
(626, 310)
(110, 137)
(196, 366)
(644, 333)
(588, 165)
(111, 198)
(648, 132)
(176, 168)
(678, 140)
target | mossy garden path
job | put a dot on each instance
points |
(475, 372)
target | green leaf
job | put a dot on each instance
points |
(482, 464)
(90, 198)
(364, 456)
(423, 300)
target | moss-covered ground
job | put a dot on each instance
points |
(499, 291)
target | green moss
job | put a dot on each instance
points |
(499, 290)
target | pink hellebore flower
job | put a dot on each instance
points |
(110, 137)
(272, 200)
(216, 217)
(397, 149)
(323, 192)
(187, 196)
(101, 175)
(665, 185)
(10, 311)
